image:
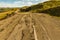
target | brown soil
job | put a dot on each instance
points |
(32, 26)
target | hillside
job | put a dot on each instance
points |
(7, 12)
(48, 7)
(54, 7)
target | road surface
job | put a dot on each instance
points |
(30, 26)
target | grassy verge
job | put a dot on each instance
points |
(4, 15)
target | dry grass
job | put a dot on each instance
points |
(4, 14)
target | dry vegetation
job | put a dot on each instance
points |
(5, 13)
(49, 7)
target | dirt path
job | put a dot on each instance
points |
(30, 27)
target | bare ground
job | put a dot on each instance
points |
(31, 26)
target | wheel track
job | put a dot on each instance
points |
(6, 23)
(43, 30)
(3, 21)
(34, 29)
(11, 25)
(28, 27)
(14, 33)
(15, 26)
(53, 21)
(51, 26)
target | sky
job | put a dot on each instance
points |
(19, 3)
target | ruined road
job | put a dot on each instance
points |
(30, 26)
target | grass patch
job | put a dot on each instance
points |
(4, 15)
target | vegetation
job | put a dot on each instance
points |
(2, 16)
(6, 12)
(6, 15)
(51, 7)
(53, 11)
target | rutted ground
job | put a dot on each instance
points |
(30, 27)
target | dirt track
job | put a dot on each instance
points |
(30, 27)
